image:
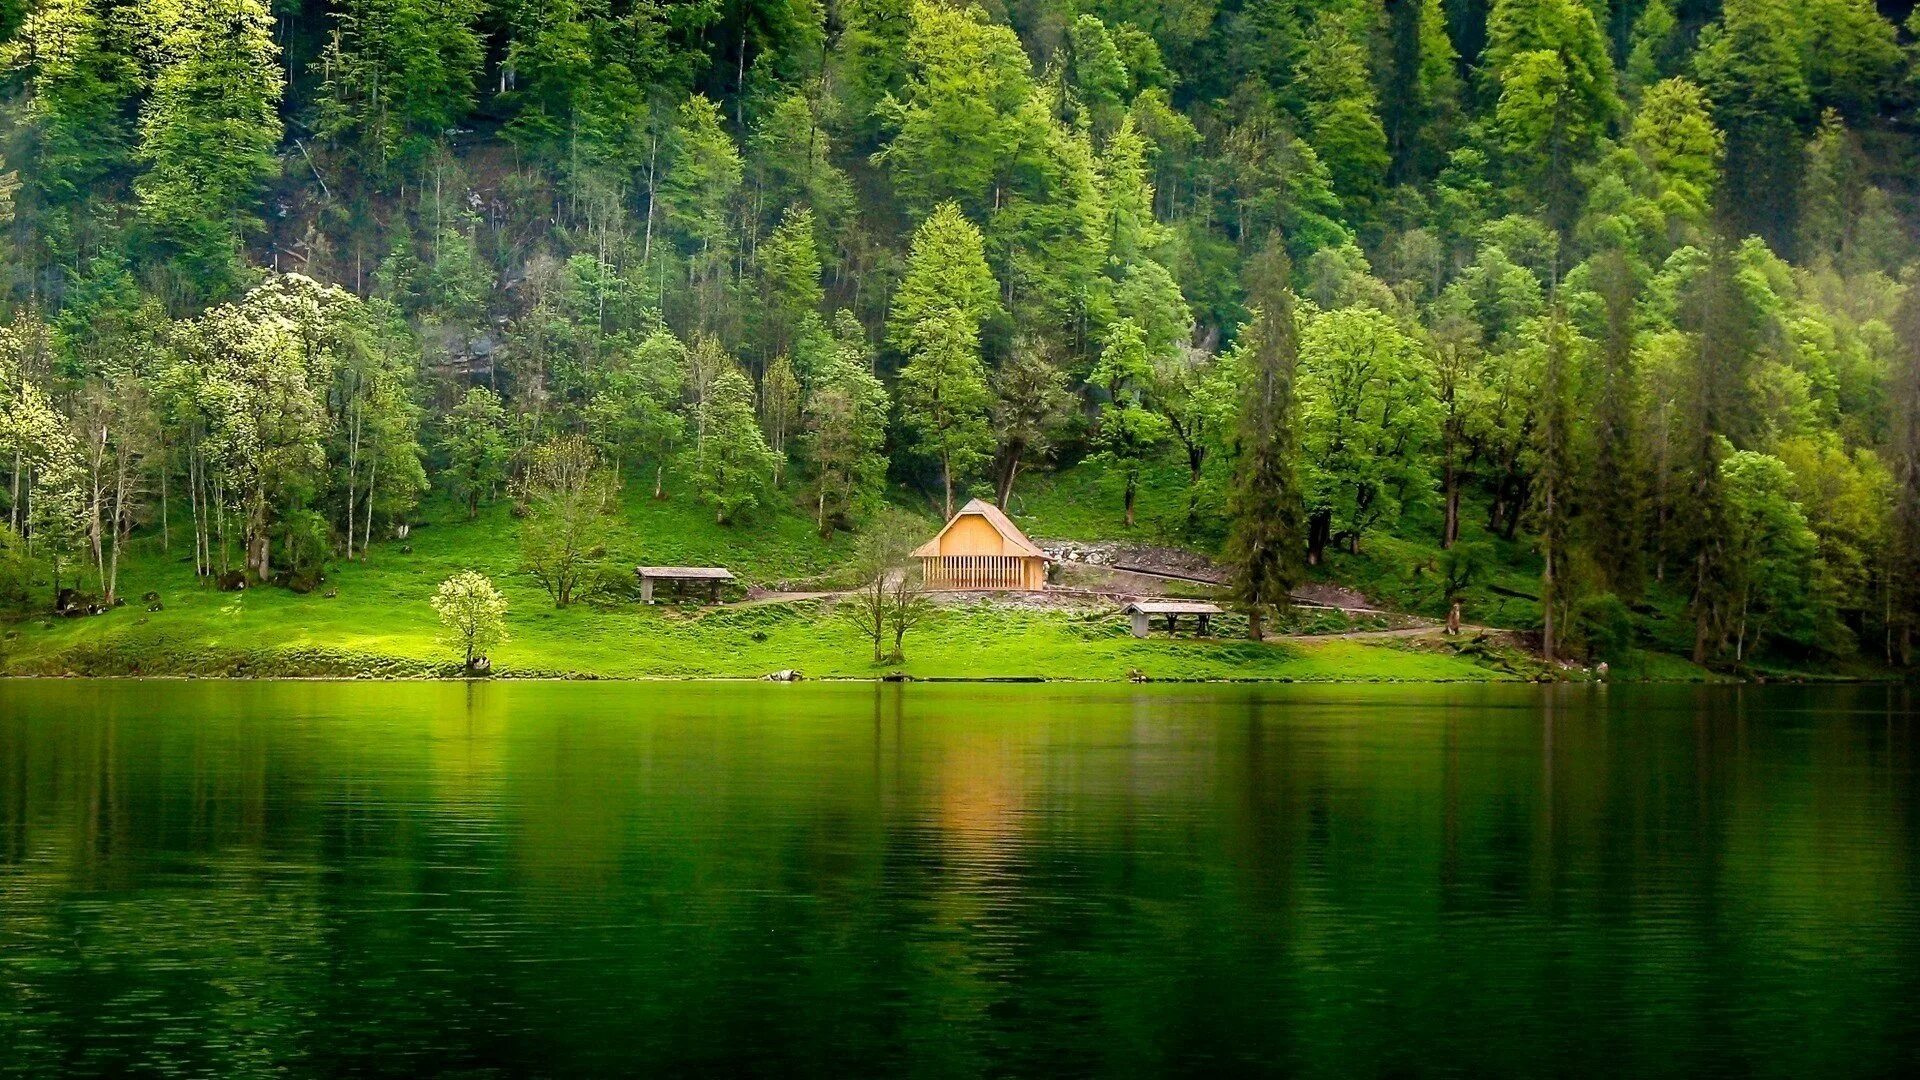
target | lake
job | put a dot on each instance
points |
(233, 879)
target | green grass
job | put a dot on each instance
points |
(1088, 504)
(378, 622)
(371, 618)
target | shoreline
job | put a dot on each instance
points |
(1494, 679)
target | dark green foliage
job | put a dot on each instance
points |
(782, 256)
(1267, 539)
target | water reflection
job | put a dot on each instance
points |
(502, 879)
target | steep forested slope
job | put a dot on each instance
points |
(1612, 297)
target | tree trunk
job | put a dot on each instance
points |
(1319, 530)
(1450, 534)
(1009, 469)
(946, 482)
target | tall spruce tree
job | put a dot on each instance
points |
(1614, 499)
(1266, 538)
(1903, 461)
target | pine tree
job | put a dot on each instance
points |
(75, 79)
(1614, 505)
(790, 280)
(475, 441)
(1903, 463)
(208, 131)
(1553, 482)
(1549, 65)
(1750, 66)
(946, 273)
(944, 398)
(397, 74)
(1723, 325)
(1266, 538)
(736, 471)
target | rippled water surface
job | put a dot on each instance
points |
(221, 879)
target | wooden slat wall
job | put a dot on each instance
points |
(981, 572)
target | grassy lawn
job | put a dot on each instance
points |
(378, 621)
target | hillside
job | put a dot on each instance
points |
(371, 618)
(1599, 320)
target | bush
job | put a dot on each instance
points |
(17, 570)
(1604, 627)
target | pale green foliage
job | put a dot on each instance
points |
(1770, 553)
(1129, 435)
(1050, 233)
(473, 615)
(1128, 192)
(1650, 53)
(1549, 63)
(376, 431)
(1436, 85)
(794, 154)
(943, 397)
(208, 129)
(39, 454)
(399, 73)
(1674, 136)
(255, 376)
(474, 438)
(780, 404)
(1366, 418)
(790, 277)
(702, 176)
(961, 115)
(735, 470)
(74, 85)
(568, 491)
(846, 428)
(633, 413)
(1148, 295)
(946, 274)
(1343, 113)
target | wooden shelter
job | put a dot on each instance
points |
(1143, 611)
(683, 577)
(981, 550)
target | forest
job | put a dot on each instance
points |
(1621, 294)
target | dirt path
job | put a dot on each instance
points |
(1405, 633)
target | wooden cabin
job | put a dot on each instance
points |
(981, 550)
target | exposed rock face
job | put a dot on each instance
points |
(1141, 558)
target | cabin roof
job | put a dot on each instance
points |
(1173, 607)
(685, 573)
(1002, 524)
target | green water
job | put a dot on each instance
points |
(409, 879)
